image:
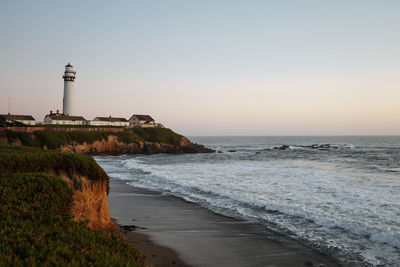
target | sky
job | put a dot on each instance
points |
(204, 67)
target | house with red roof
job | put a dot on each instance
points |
(143, 121)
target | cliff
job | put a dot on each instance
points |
(50, 202)
(82, 173)
(37, 229)
(90, 200)
(111, 145)
(132, 141)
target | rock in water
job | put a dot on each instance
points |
(284, 147)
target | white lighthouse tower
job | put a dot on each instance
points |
(68, 100)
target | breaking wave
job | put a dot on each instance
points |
(341, 201)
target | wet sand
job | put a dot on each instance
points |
(152, 253)
(173, 232)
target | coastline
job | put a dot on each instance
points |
(152, 253)
(181, 233)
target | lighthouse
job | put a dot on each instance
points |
(68, 100)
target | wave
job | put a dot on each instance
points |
(330, 204)
(258, 149)
(201, 193)
(322, 146)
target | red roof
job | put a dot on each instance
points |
(17, 117)
(146, 118)
(111, 119)
(63, 117)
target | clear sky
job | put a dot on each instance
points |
(209, 67)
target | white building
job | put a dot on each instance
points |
(142, 121)
(61, 119)
(109, 121)
(25, 119)
(68, 100)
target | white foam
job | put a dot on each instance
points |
(326, 204)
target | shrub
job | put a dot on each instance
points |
(36, 227)
(44, 194)
(56, 139)
(25, 159)
(159, 135)
(26, 139)
(129, 137)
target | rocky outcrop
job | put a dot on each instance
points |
(90, 200)
(185, 142)
(91, 195)
(284, 147)
(113, 146)
(325, 147)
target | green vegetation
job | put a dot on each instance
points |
(26, 139)
(3, 134)
(36, 227)
(36, 224)
(129, 137)
(56, 139)
(27, 159)
(159, 135)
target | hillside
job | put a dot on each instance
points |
(54, 205)
(132, 141)
(36, 227)
(50, 203)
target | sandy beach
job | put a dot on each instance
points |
(173, 232)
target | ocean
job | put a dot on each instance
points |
(339, 195)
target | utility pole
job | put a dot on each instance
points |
(9, 105)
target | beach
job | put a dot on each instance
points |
(328, 193)
(172, 232)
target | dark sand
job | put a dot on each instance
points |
(181, 232)
(152, 253)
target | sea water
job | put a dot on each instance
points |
(343, 199)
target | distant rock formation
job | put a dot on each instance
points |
(284, 147)
(326, 147)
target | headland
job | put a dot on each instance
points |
(164, 230)
(102, 140)
(54, 195)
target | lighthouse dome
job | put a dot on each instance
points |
(69, 71)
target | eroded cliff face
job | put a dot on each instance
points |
(113, 146)
(90, 200)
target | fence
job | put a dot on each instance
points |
(28, 129)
